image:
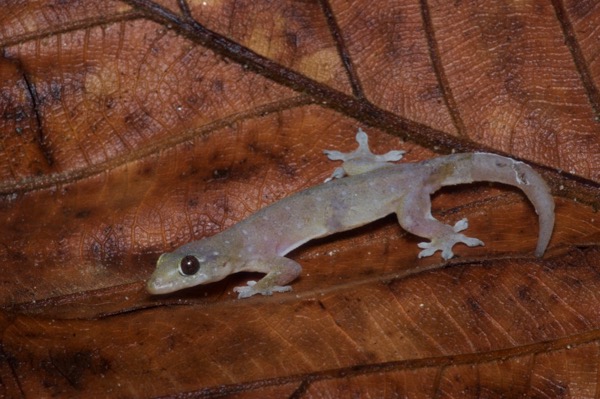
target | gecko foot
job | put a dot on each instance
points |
(248, 290)
(361, 160)
(445, 243)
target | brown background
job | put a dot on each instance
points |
(128, 128)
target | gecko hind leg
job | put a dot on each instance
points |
(415, 217)
(445, 242)
(361, 160)
(280, 271)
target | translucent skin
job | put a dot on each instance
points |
(374, 189)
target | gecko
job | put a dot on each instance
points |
(366, 187)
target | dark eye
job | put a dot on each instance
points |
(189, 265)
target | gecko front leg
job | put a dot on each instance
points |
(280, 271)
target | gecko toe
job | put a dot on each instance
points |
(461, 225)
(472, 242)
(428, 249)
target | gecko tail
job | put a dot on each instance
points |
(496, 168)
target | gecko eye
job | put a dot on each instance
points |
(189, 265)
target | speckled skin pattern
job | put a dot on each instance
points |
(373, 189)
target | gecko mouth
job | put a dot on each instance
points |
(158, 284)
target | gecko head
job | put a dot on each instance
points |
(181, 269)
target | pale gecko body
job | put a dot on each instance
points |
(374, 189)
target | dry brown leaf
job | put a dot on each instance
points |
(129, 128)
